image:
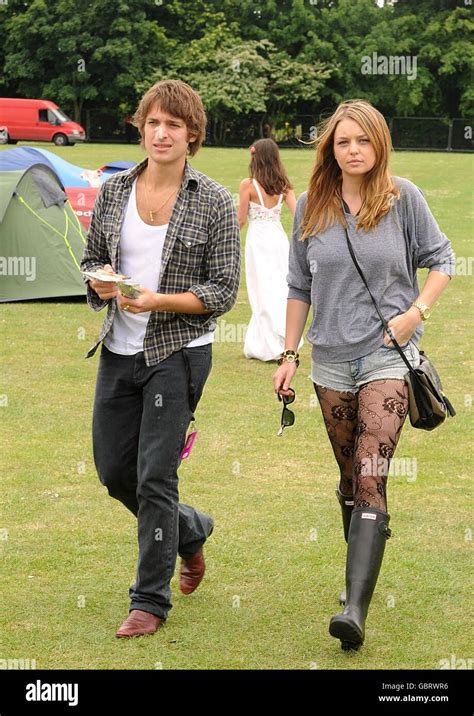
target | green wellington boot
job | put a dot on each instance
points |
(368, 533)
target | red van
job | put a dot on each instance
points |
(39, 120)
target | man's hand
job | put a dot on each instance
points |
(104, 289)
(147, 301)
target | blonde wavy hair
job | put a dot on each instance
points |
(378, 191)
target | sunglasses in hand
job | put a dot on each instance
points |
(287, 415)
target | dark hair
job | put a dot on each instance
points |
(266, 167)
(178, 99)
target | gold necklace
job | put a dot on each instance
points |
(155, 211)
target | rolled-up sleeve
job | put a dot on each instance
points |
(219, 291)
(434, 248)
(96, 252)
(299, 276)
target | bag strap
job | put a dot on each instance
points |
(384, 322)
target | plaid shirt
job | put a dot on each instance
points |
(201, 254)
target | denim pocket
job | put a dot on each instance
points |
(198, 363)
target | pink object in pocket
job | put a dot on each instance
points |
(188, 445)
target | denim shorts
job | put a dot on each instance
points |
(349, 376)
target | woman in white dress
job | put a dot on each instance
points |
(266, 249)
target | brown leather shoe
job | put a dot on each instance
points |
(191, 572)
(139, 623)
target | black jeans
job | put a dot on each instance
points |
(141, 415)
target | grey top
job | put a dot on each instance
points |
(345, 324)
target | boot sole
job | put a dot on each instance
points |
(348, 632)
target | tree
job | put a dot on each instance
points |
(230, 78)
(75, 52)
(251, 62)
(442, 31)
(242, 78)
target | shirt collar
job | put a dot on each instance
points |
(190, 177)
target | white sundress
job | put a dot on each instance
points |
(266, 269)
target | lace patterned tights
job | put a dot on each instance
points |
(364, 429)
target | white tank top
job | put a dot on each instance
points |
(141, 247)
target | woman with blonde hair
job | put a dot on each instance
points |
(358, 375)
(266, 249)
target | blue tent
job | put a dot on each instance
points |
(69, 174)
(116, 166)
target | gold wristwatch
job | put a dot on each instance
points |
(424, 310)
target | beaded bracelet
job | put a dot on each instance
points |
(289, 357)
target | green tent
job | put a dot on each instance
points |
(41, 238)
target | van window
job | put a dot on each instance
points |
(47, 115)
(59, 114)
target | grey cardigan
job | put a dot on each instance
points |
(345, 325)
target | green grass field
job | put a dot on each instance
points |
(276, 558)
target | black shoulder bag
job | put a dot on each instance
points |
(428, 406)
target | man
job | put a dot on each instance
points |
(175, 232)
